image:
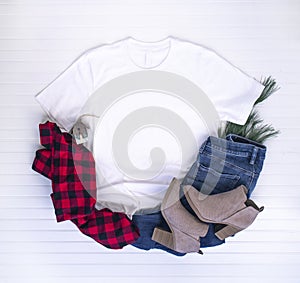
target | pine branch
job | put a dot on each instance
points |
(270, 88)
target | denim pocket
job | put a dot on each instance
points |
(210, 181)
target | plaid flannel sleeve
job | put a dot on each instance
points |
(71, 169)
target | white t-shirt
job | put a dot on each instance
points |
(145, 121)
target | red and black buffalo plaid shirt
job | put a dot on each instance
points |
(71, 168)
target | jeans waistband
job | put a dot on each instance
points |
(235, 145)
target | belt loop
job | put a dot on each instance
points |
(201, 149)
(254, 154)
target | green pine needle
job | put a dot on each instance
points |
(254, 129)
(270, 88)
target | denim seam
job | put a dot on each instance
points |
(216, 173)
(236, 153)
(233, 152)
(252, 179)
(232, 165)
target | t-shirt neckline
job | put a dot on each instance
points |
(131, 43)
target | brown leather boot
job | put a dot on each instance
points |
(186, 229)
(231, 208)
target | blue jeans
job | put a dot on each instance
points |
(221, 165)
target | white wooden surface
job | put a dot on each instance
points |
(40, 38)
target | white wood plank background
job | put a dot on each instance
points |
(40, 38)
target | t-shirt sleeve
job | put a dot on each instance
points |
(232, 91)
(63, 98)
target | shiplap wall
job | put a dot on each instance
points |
(40, 38)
